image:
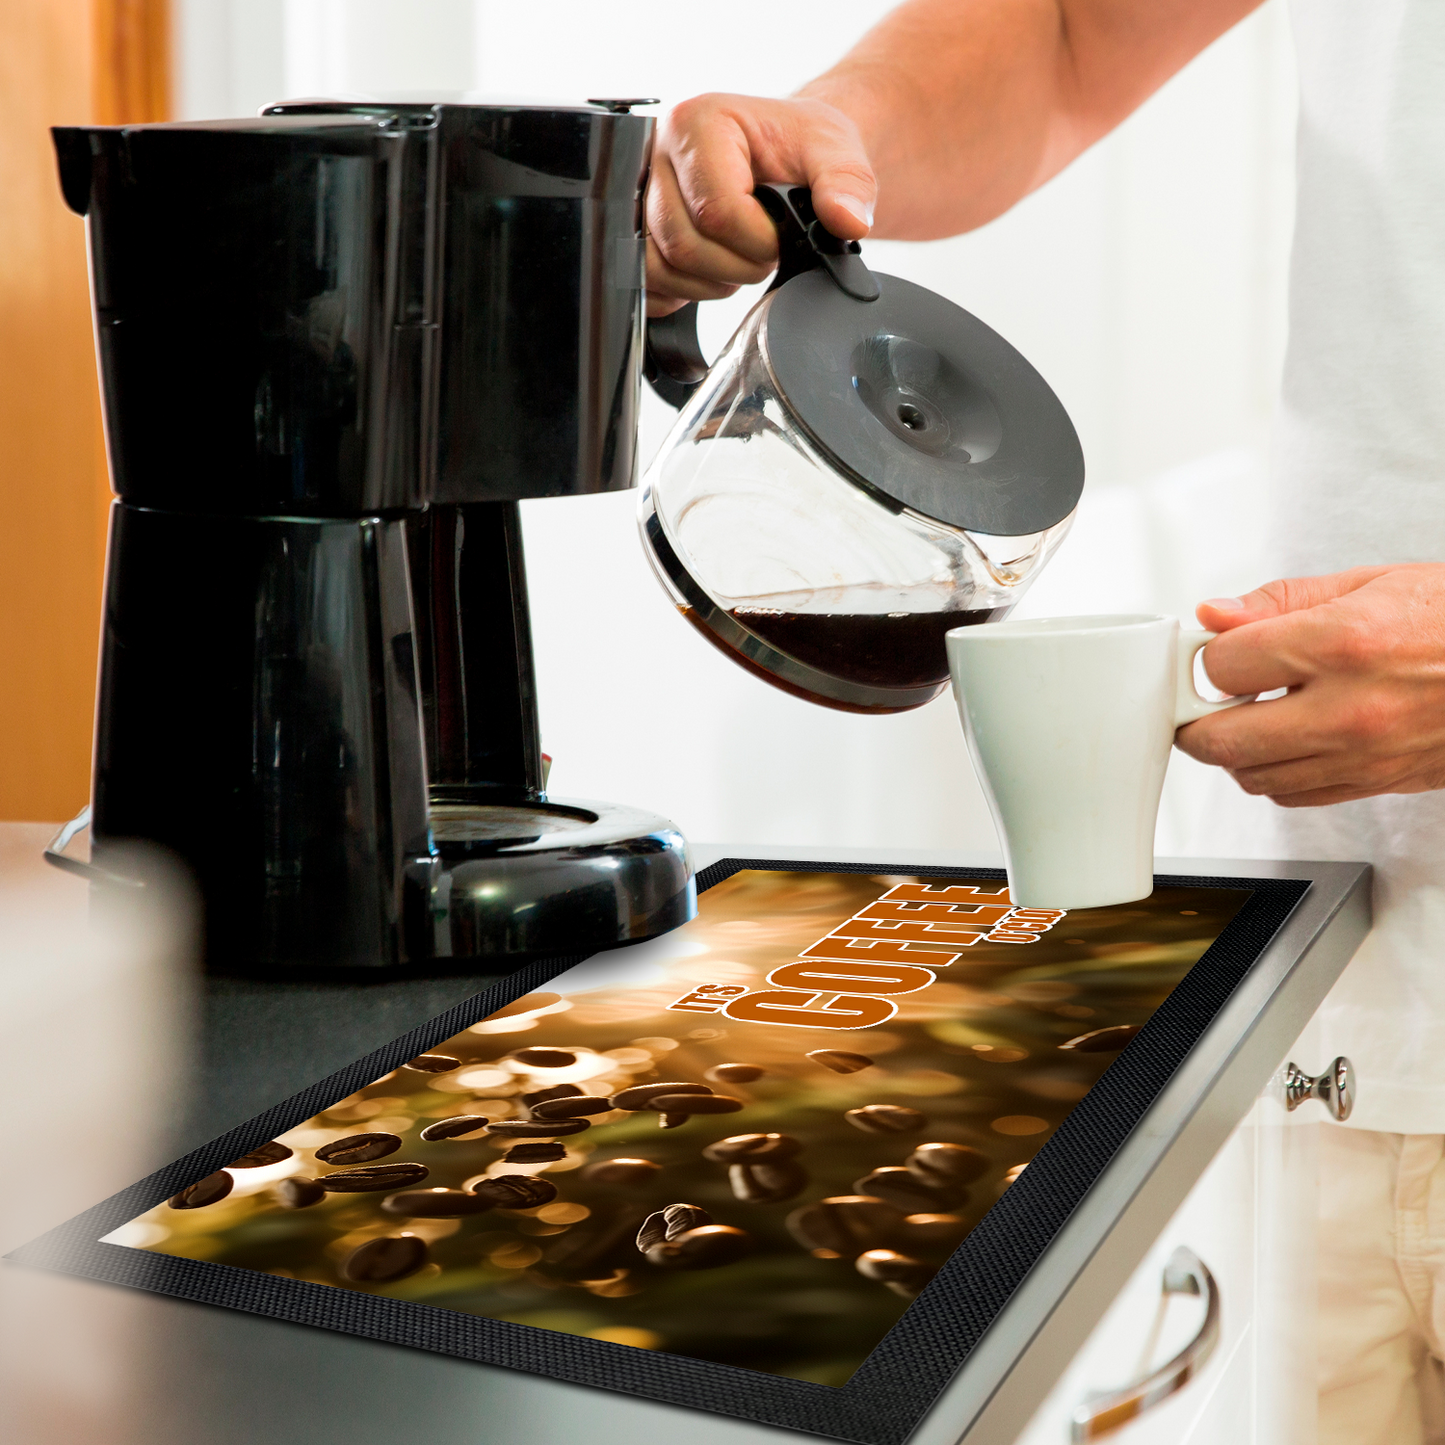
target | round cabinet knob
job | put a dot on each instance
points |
(1335, 1088)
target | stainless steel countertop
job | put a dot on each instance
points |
(190, 1371)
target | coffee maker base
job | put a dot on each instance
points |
(512, 881)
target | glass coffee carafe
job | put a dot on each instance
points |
(865, 467)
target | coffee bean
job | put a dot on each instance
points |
(943, 1165)
(840, 1060)
(888, 1264)
(1011, 1176)
(571, 1108)
(900, 1272)
(516, 1191)
(668, 1223)
(640, 1096)
(934, 1231)
(706, 1247)
(845, 1224)
(886, 1119)
(210, 1190)
(752, 1149)
(671, 1121)
(379, 1261)
(534, 1153)
(261, 1156)
(434, 1064)
(695, 1104)
(682, 1217)
(901, 1189)
(454, 1127)
(435, 1203)
(536, 1128)
(557, 1091)
(767, 1183)
(374, 1176)
(358, 1149)
(299, 1193)
(545, 1058)
(1103, 1041)
(619, 1171)
(735, 1073)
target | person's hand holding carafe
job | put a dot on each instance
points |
(706, 234)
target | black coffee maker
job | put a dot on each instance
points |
(337, 345)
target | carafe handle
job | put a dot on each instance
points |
(673, 362)
(672, 359)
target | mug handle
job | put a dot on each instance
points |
(1189, 706)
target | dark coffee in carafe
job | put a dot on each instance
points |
(881, 649)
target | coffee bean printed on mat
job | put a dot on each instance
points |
(539, 1153)
(767, 1183)
(707, 1247)
(571, 1108)
(434, 1063)
(886, 1119)
(944, 1165)
(902, 1189)
(1103, 1041)
(545, 1058)
(840, 1061)
(668, 1223)
(902, 1274)
(455, 1127)
(537, 1128)
(752, 1148)
(299, 1193)
(436, 1203)
(261, 1157)
(358, 1149)
(516, 1191)
(735, 1073)
(210, 1190)
(372, 1177)
(695, 1104)
(557, 1091)
(641, 1096)
(541, 1096)
(621, 1171)
(379, 1261)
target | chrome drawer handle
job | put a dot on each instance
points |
(1335, 1088)
(1102, 1414)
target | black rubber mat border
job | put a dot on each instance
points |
(895, 1385)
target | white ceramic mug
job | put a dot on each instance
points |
(1070, 721)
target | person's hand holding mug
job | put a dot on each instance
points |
(1363, 656)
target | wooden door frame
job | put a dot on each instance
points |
(62, 62)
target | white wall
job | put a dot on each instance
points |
(1146, 283)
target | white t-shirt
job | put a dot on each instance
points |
(1360, 478)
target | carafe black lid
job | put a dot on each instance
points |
(923, 403)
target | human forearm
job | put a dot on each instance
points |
(965, 106)
(945, 113)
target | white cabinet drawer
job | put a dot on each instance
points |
(1250, 1220)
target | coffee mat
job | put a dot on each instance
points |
(887, 1090)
